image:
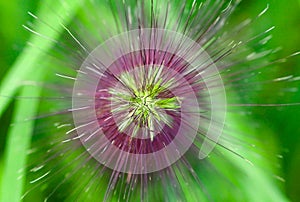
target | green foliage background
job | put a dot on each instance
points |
(278, 131)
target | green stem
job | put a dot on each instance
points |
(18, 143)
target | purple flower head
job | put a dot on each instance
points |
(147, 94)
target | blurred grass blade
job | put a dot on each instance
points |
(28, 63)
(31, 56)
(18, 142)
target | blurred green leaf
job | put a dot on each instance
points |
(26, 65)
(17, 145)
(55, 14)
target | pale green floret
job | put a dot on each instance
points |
(140, 102)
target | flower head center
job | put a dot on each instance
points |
(142, 107)
(146, 106)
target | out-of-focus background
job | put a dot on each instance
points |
(281, 123)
